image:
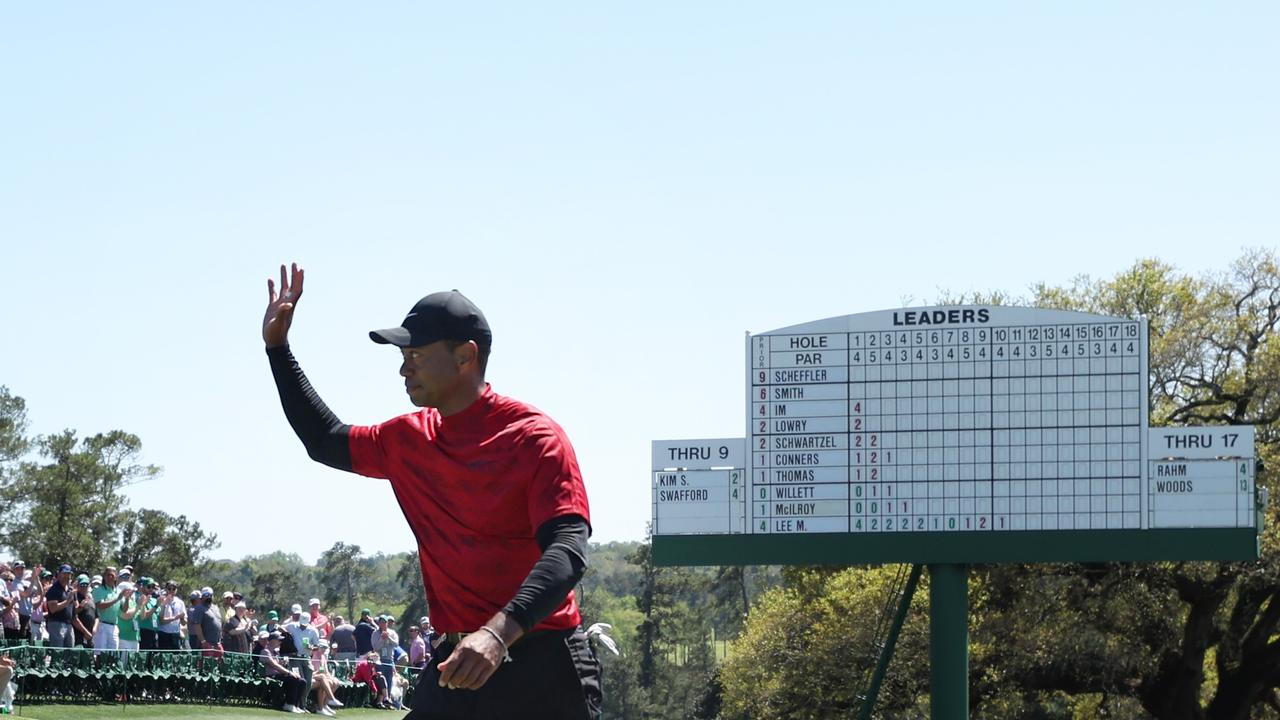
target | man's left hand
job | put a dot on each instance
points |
(472, 663)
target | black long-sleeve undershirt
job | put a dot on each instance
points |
(563, 540)
(325, 437)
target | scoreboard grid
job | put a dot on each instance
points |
(1029, 426)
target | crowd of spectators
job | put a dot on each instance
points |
(115, 614)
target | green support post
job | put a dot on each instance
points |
(948, 642)
(886, 654)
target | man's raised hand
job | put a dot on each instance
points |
(280, 306)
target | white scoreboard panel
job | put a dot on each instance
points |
(958, 422)
(699, 486)
(948, 419)
(1201, 477)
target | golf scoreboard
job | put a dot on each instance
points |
(964, 434)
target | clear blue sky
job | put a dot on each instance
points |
(624, 188)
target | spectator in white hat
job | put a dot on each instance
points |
(304, 638)
(237, 629)
(323, 681)
(126, 621)
(228, 605)
(319, 620)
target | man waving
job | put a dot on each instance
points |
(491, 488)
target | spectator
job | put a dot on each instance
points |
(364, 632)
(172, 611)
(106, 601)
(237, 630)
(148, 614)
(60, 608)
(85, 619)
(273, 621)
(324, 683)
(428, 631)
(7, 666)
(395, 694)
(319, 620)
(256, 647)
(309, 635)
(194, 611)
(127, 626)
(25, 586)
(208, 626)
(38, 611)
(366, 673)
(385, 641)
(419, 651)
(295, 614)
(304, 638)
(9, 607)
(275, 668)
(343, 639)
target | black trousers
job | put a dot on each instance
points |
(552, 675)
(147, 639)
(295, 690)
(168, 641)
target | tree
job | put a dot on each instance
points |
(1181, 640)
(164, 547)
(70, 507)
(13, 428)
(806, 648)
(729, 590)
(280, 580)
(416, 602)
(1215, 359)
(674, 658)
(342, 571)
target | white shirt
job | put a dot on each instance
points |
(176, 608)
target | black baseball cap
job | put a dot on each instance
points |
(438, 316)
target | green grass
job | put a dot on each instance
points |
(165, 712)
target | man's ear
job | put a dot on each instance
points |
(466, 352)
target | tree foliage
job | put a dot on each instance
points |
(13, 429)
(343, 572)
(165, 547)
(1183, 640)
(416, 602)
(69, 506)
(280, 580)
(808, 647)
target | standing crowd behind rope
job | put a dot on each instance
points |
(115, 616)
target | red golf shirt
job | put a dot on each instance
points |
(475, 487)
